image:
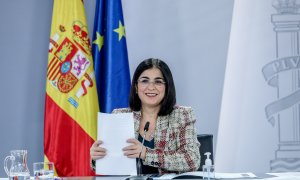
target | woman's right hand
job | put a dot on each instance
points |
(96, 151)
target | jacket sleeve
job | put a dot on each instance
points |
(183, 155)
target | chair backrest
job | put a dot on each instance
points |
(206, 141)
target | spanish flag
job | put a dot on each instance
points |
(71, 104)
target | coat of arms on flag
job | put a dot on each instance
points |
(69, 62)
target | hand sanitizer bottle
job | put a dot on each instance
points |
(208, 168)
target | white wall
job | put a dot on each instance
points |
(190, 35)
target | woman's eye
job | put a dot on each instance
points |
(145, 81)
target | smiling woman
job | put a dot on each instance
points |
(171, 143)
(157, 70)
(151, 88)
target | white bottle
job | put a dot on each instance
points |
(208, 168)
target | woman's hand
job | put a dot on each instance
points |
(97, 152)
(133, 150)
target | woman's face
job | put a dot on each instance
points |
(151, 87)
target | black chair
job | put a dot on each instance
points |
(206, 141)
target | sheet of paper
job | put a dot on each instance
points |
(114, 130)
(199, 174)
(234, 175)
(285, 176)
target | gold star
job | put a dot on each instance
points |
(120, 30)
(99, 41)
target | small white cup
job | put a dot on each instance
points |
(43, 170)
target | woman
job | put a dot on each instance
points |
(171, 143)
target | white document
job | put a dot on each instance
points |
(199, 174)
(285, 176)
(234, 175)
(114, 130)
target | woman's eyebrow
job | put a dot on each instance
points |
(145, 77)
(159, 78)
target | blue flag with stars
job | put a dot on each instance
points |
(110, 56)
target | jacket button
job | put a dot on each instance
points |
(152, 163)
(156, 163)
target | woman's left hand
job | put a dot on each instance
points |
(133, 150)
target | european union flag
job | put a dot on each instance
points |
(110, 56)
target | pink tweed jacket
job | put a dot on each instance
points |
(176, 148)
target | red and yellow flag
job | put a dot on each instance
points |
(71, 103)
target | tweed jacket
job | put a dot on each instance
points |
(176, 148)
